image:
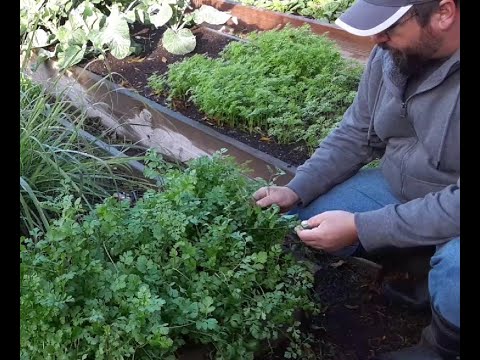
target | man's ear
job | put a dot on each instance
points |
(446, 15)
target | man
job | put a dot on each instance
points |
(407, 111)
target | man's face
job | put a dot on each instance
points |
(411, 45)
(413, 57)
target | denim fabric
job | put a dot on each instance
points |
(368, 190)
(444, 281)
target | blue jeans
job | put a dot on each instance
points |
(367, 191)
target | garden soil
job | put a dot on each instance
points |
(356, 321)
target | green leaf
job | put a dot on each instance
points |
(140, 16)
(127, 258)
(179, 42)
(23, 25)
(235, 320)
(119, 283)
(262, 257)
(162, 342)
(207, 324)
(40, 38)
(94, 20)
(163, 15)
(206, 305)
(210, 15)
(78, 37)
(76, 19)
(43, 55)
(130, 16)
(162, 330)
(63, 34)
(96, 38)
(116, 34)
(192, 310)
(71, 56)
(31, 5)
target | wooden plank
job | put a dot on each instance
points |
(145, 122)
(251, 18)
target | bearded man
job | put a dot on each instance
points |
(407, 113)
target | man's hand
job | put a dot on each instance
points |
(283, 196)
(330, 231)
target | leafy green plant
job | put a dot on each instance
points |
(55, 161)
(75, 28)
(195, 264)
(290, 83)
(319, 9)
(177, 15)
(71, 29)
(373, 165)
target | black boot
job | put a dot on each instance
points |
(410, 292)
(439, 341)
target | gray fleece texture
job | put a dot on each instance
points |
(417, 138)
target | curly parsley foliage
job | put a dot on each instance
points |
(196, 263)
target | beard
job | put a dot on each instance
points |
(412, 60)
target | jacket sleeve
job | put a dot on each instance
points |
(431, 220)
(342, 153)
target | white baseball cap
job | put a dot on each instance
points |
(370, 17)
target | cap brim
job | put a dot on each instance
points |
(365, 19)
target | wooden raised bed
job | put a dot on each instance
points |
(251, 18)
(150, 124)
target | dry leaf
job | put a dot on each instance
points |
(136, 60)
(143, 31)
(164, 59)
(265, 138)
(351, 307)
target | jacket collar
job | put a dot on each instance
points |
(395, 81)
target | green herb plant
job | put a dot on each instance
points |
(193, 264)
(328, 10)
(289, 84)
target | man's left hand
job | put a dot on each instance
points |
(330, 231)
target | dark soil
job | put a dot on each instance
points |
(357, 321)
(133, 73)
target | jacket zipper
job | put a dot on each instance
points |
(404, 112)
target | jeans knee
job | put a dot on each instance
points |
(444, 281)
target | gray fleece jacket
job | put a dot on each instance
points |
(416, 132)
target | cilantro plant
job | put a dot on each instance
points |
(193, 264)
(291, 84)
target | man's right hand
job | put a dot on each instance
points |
(283, 196)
